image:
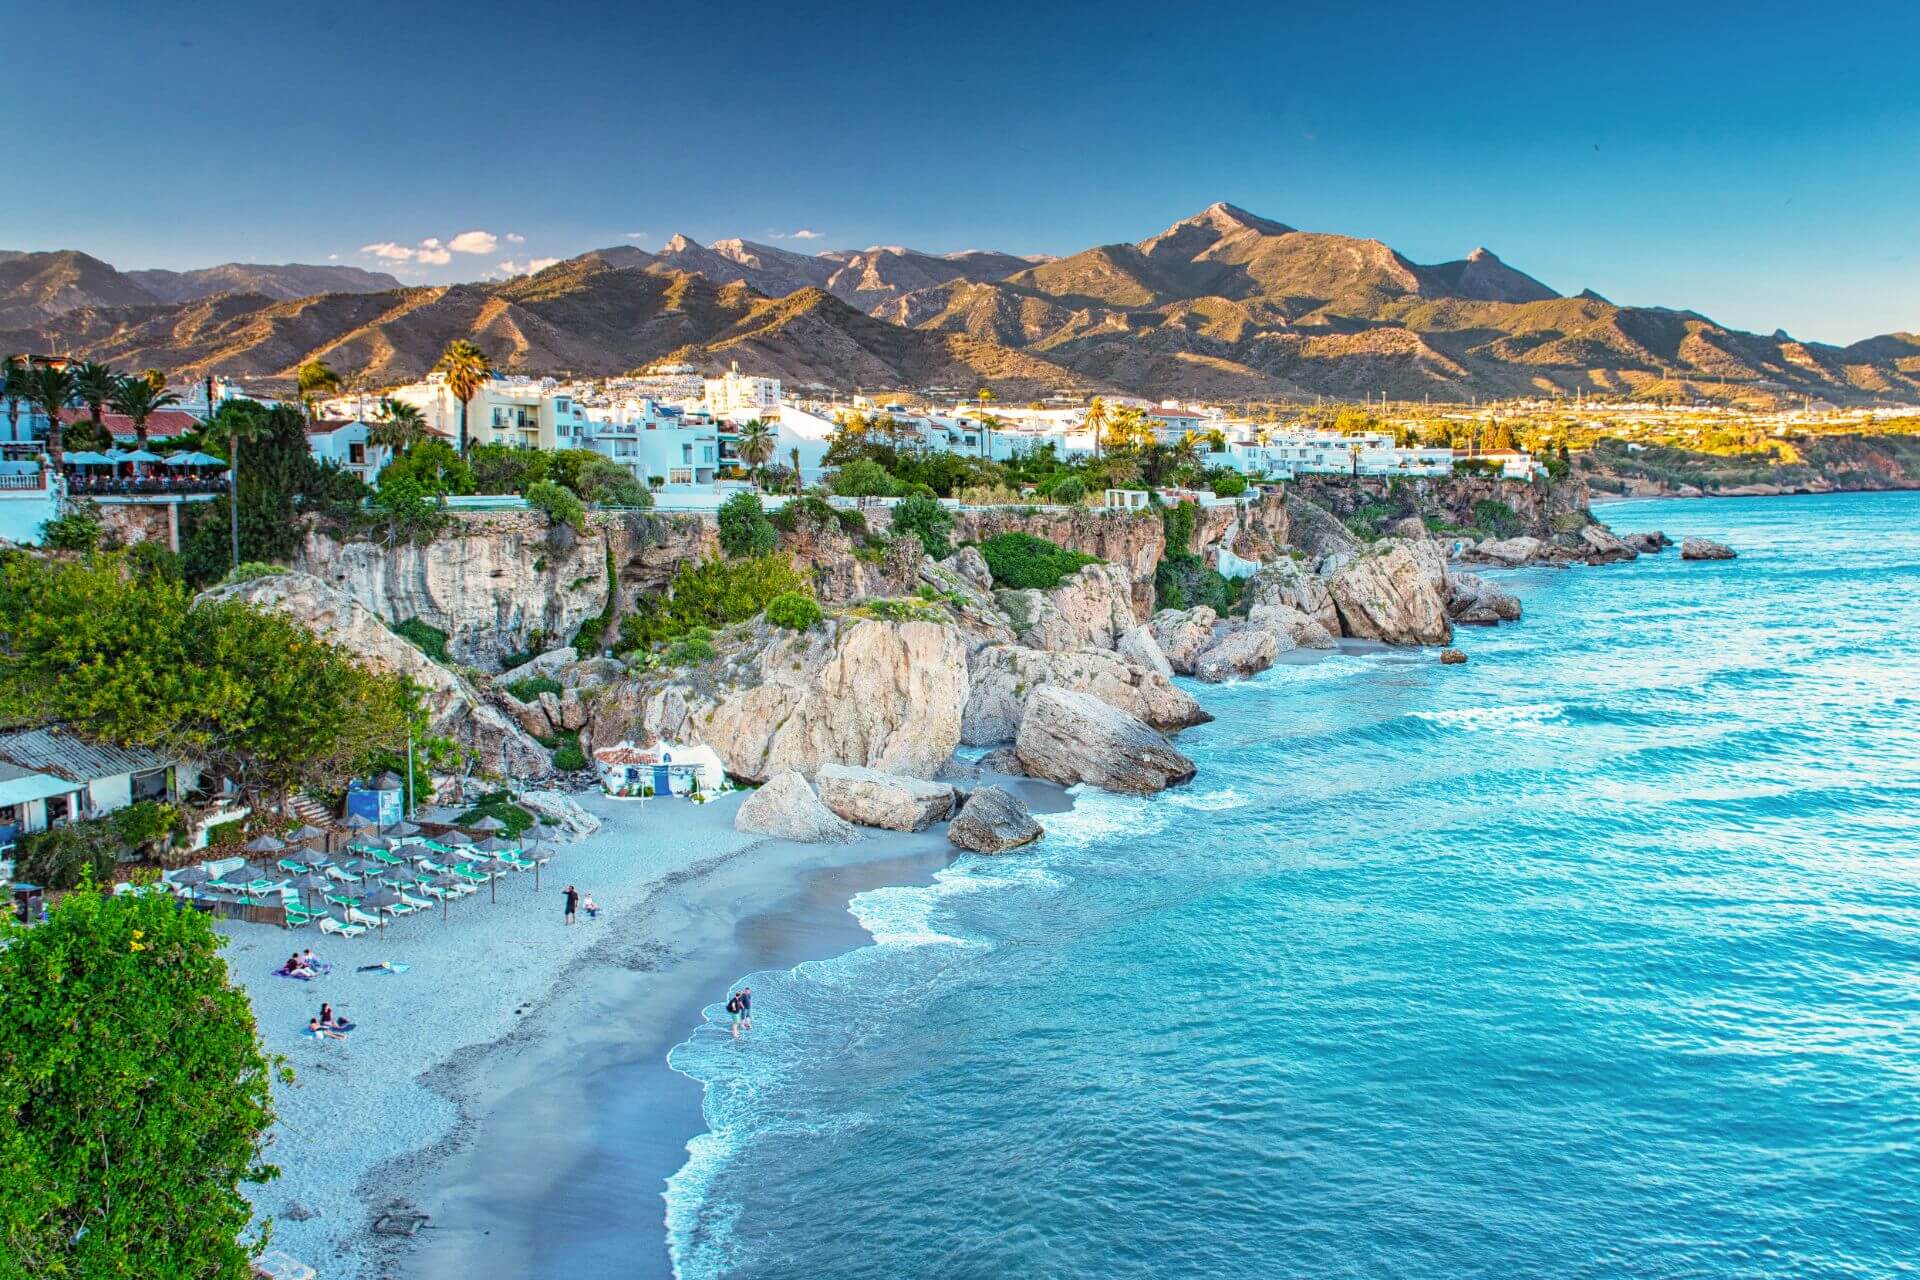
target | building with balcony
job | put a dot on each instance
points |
(733, 391)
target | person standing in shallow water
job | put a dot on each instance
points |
(737, 1009)
(746, 1008)
(573, 903)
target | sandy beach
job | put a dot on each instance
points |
(512, 1084)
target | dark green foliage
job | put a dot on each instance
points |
(134, 1096)
(1365, 522)
(1178, 522)
(60, 857)
(744, 527)
(1498, 519)
(1069, 489)
(1228, 484)
(532, 687)
(560, 504)
(794, 611)
(927, 520)
(714, 593)
(499, 806)
(412, 513)
(695, 647)
(1021, 560)
(567, 756)
(429, 640)
(815, 510)
(593, 632)
(863, 478)
(277, 474)
(434, 465)
(78, 527)
(1186, 581)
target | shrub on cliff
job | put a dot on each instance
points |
(794, 611)
(412, 513)
(863, 478)
(562, 505)
(1070, 489)
(927, 520)
(813, 509)
(744, 527)
(713, 593)
(1498, 519)
(1022, 561)
(1228, 484)
(78, 527)
(435, 465)
(134, 1096)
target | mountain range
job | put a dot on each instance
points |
(1223, 305)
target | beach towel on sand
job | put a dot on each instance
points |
(385, 966)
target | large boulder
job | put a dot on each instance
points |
(1317, 531)
(1240, 653)
(888, 695)
(1600, 546)
(787, 808)
(1140, 648)
(1705, 549)
(1182, 634)
(558, 809)
(1070, 738)
(1475, 602)
(455, 708)
(550, 663)
(1003, 678)
(971, 567)
(1037, 622)
(993, 821)
(1292, 628)
(874, 798)
(1388, 594)
(1512, 552)
(1090, 610)
(1648, 544)
(1290, 582)
(979, 616)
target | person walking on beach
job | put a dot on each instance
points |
(738, 1009)
(746, 1008)
(573, 903)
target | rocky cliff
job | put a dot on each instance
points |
(1133, 540)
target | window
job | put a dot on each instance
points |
(357, 455)
(151, 785)
(680, 475)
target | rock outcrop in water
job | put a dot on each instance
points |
(1003, 679)
(1070, 738)
(1291, 583)
(993, 821)
(1388, 594)
(1705, 549)
(1183, 634)
(1238, 654)
(1473, 601)
(893, 801)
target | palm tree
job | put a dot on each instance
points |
(239, 424)
(400, 426)
(1097, 421)
(51, 390)
(986, 396)
(794, 453)
(755, 445)
(137, 398)
(465, 367)
(1127, 427)
(1188, 450)
(13, 385)
(94, 384)
(316, 377)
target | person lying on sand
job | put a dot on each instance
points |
(328, 1018)
(317, 1031)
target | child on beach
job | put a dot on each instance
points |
(589, 906)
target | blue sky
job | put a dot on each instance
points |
(1758, 162)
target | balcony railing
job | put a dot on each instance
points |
(23, 480)
(82, 485)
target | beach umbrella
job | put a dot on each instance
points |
(540, 831)
(403, 828)
(194, 460)
(192, 876)
(138, 455)
(377, 898)
(456, 838)
(488, 823)
(541, 854)
(306, 831)
(359, 822)
(360, 867)
(493, 844)
(87, 458)
(309, 882)
(264, 844)
(242, 874)
(494, 868)
(444, 881)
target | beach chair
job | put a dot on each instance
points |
(291, 867)
(329, 925)
(356, 916)
(335, 873)
(298, 917)
(416, 904)
(391, 859)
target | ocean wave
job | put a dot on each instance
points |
(1516, 715)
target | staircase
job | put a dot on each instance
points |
(309, 810)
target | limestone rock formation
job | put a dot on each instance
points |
(1292, 628)
(873, 798)
(1475, 602)
(1070, 737)
(1705, 549)
(1240, 653)
(1090, 610)
(993, 821)
(1003, 760)
(1507, 551)
(1182, 634)
(1388, 594)
(888, 695)
(1139, 647)
(559, 809)
(1648, 544)
(972, 568)
(979, 616)
(1602, 547)
(1130, 540)
(454, 707)
(787, 808)
(1289, 582)
(1003, 678)
(1317, 531)
(550, 663)
(1451, 657)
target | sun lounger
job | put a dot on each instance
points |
(335, 873)
(356, 916)
(329, 925)
(417, 904)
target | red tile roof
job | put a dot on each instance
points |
(161, 423)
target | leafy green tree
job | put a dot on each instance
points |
(596, 479)
(465, 367)
(560, 504)
(52, 391)
(240, 422)
(135, 1099)
(863, 478)
(1070, 490)
(13, 385)
(413, 514)
(744, 527)
(502, 468)
(926, 520)
(78, 527)
(137, 398)
(434, 466)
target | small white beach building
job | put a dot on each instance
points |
(666, 768)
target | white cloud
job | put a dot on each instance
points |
(527, 268)
(636, 235)
(389, 250)
(474, 242)
(804, 234)
(333, 257)
(512, 238)
(435, 257)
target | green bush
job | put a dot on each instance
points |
(1186, 581)
(60, 857)
(1070, 490)
(1229, 484)
(794, 611)
(1022, 561)
(1498, 518)
(134, 1096)
(78, 527)
(744, 527)
(415, 512)
(562, 505)
(1364, 523)
(568, 757)
(1178, 522)
(499, 806)
(695, 647)
(433, 464)
(530, 689)
(714, 593)
(225, 833)
(863, 478)
(429, 640)
(927, 520)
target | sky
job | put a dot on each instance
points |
(1756, 162)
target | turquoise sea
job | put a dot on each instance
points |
(1599, 956)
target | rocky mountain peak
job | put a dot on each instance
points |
(680, 243)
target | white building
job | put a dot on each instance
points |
(530, 413)
(734, 390)
(49, 776)
(345, 444)
(658, 443)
